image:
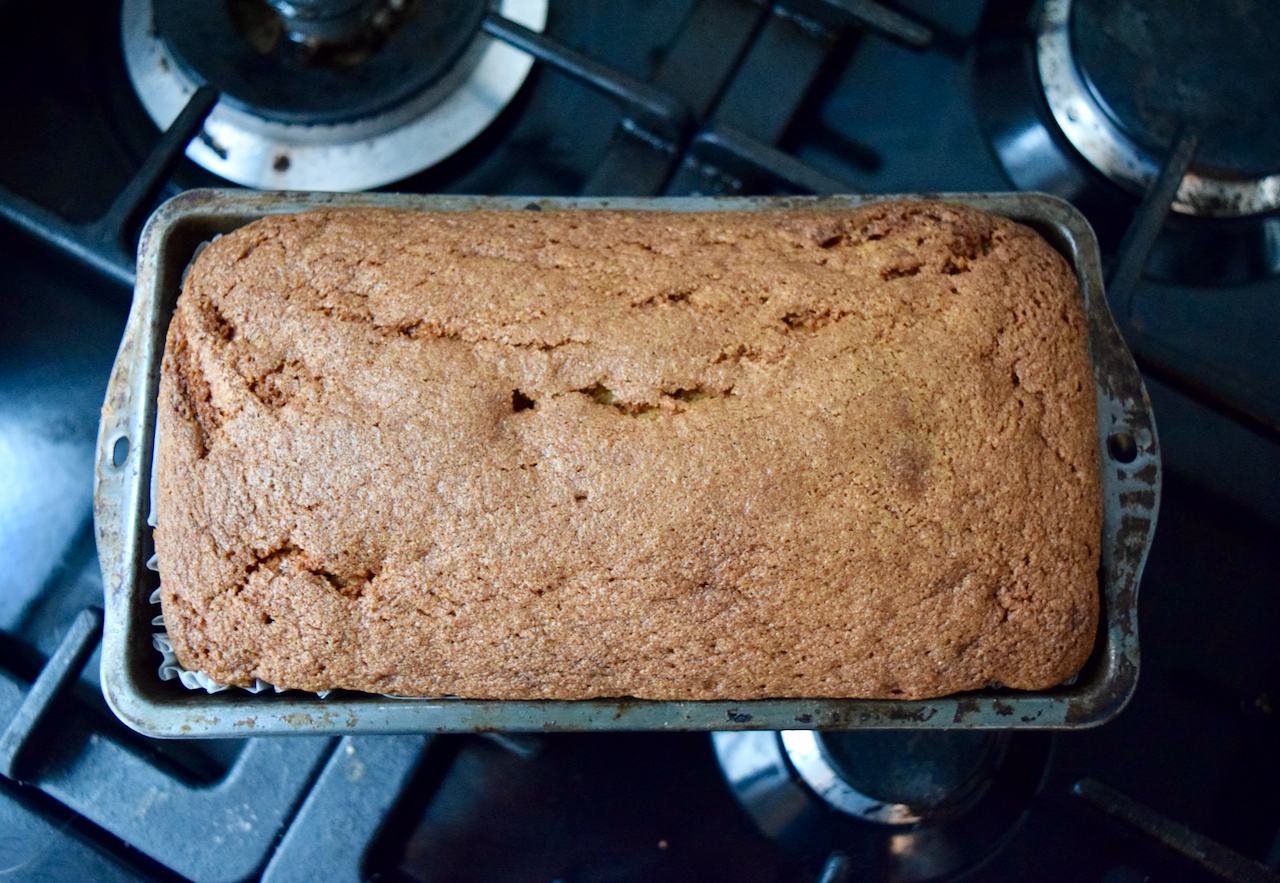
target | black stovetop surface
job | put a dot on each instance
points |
(1199, 745)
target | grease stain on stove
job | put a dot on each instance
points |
(736, 717)
(249, 722)
(804, 718)
(149, 798)
(1004, 709)
(355, 766)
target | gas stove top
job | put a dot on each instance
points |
(650, 97)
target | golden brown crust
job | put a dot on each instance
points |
(575, 454)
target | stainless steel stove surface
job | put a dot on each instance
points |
(1155, 117)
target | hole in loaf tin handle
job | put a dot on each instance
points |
(1122, 447)
(120, 451)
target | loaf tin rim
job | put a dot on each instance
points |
(141, 700)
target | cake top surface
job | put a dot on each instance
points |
(527, 454)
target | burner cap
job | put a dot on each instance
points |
(243, 49)
(1157, 65)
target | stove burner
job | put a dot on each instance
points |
(1157, 65)
(247, 51)
(909, 805)
(307, 102)
(1122, 80)
(885, 776)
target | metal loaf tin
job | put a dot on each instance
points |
(1126, 441)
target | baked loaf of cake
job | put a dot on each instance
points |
(573, 454)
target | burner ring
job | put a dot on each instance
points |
(254, 151)
(252, 55)
(816, 762)
(804, 748)
(1090, 130)
(935, 835)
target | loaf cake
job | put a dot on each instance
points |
(571, 454)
